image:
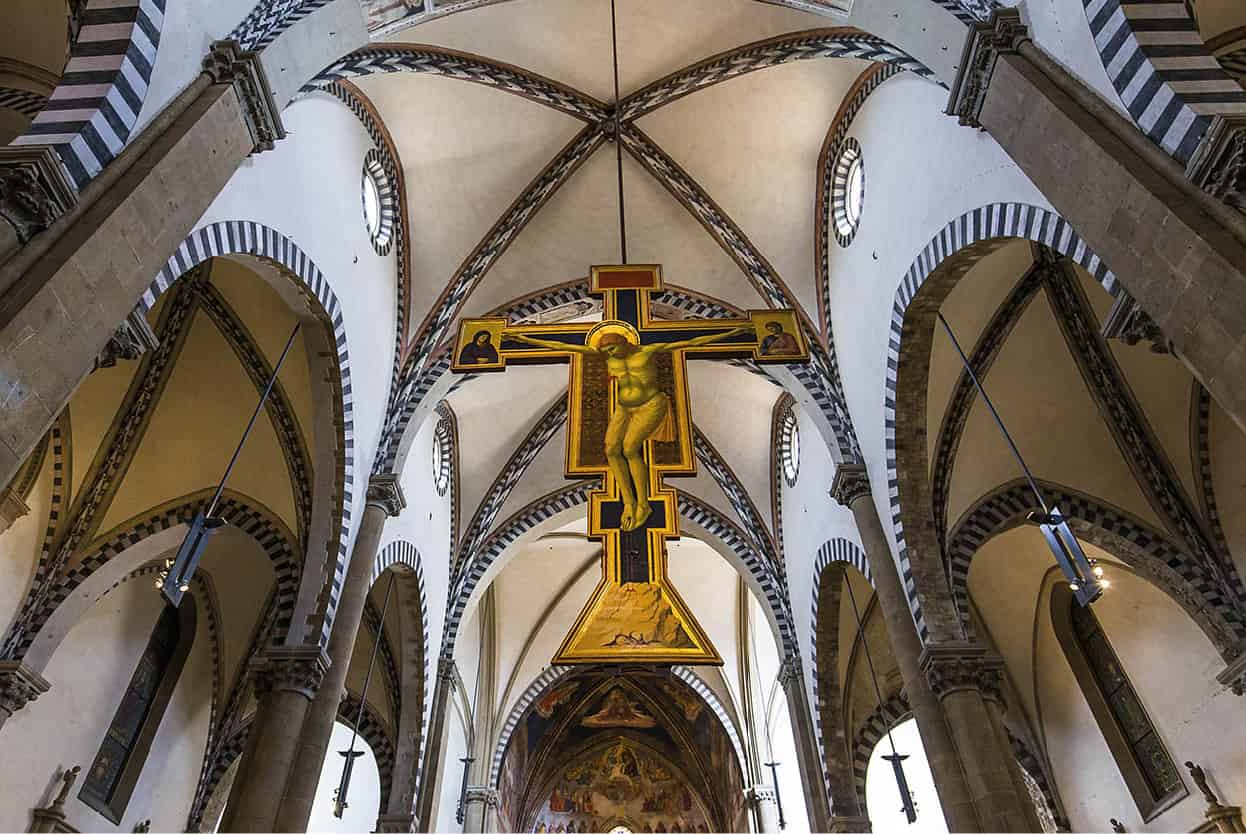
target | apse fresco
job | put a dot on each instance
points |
(621, 784)
(596, 751)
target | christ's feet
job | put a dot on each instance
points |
(642, 515)
(625, 521)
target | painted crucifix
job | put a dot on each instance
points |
(629, 422)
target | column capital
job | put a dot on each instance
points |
(130, 341)
(953, 667)
(12, 507)
(984, 44)
(385, 494)
(34, 189)
(446, 669)
(482, 794)
(850, 483)
(757, 794)
(19, 685)
(851, 825)
(1234, 676)
(790, 672)
(1127, 321)
(298, 669)
(1218, 164)
(228, 63)
(395, 823)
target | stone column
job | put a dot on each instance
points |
(286, 680)
(79, 266)
(851, 488)
(19, 685)
(437, 730)
(800, 713)
(481, 811)
(384, 499)
(1177, 249)
(764, 801)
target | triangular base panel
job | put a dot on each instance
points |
(637, 622)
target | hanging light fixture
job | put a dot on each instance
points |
(1084, 575)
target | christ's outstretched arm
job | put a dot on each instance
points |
(550, 345)
(708, 339)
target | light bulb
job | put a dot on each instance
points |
(1098, 570)
(1073, 586)
(183, 587)
(158, 584)
(1105, 584)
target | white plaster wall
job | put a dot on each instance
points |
(922, 171)
(64, 727)
(810, 518)
(1172, 667)
(308, 189)
(1062, 29)
(189, 29)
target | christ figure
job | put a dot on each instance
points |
(641, 408)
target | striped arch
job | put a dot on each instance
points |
(833, 551)
(240, 511)
(951, 252)
(245, 237)
(376, 732)
(574, 495)
(1149, 552)
(405, 553)
(885, 716)
(91, 113)
(269, 18)
(1169, 80)
(1033, 767)
(554, 674)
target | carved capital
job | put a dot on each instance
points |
(130, 341)
(385, 494)
(298, 669)
(955, 667)
(229, 63)
(1218, 164)
(395, 824)
(19, 685)
(986, 41)
(446, 670)
(1234, 676)
(850, 483)
(851, 825)
(483, 794)
(12, 507)
(757, 794)
(1127, 321)
(790, 673)
(34, 189)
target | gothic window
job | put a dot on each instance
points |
(1144, 762)
(116, 768)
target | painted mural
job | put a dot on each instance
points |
(621, 784)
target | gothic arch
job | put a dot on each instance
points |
(1171, 108)
(244, 237)
(933, 274)
(144, 537)
(1150, 553)
(96, 109)
(376, 732)
(833, 557)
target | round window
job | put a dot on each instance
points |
(442, 449)
(789, 447)
(848, 191)
(378, 203)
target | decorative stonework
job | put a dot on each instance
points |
(851, 825)
(130, 341)
(480, 793)
(34, 190)
(1127, 321)
(956, 667)
(758, 794)
(1218, 165)
(12, 507)
(1234, 676)
(295, 669)
(850, 483)
(229, 63)
(385, 494)
(19, 685)
(447, 670)
(986, 41)
(790, 673)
